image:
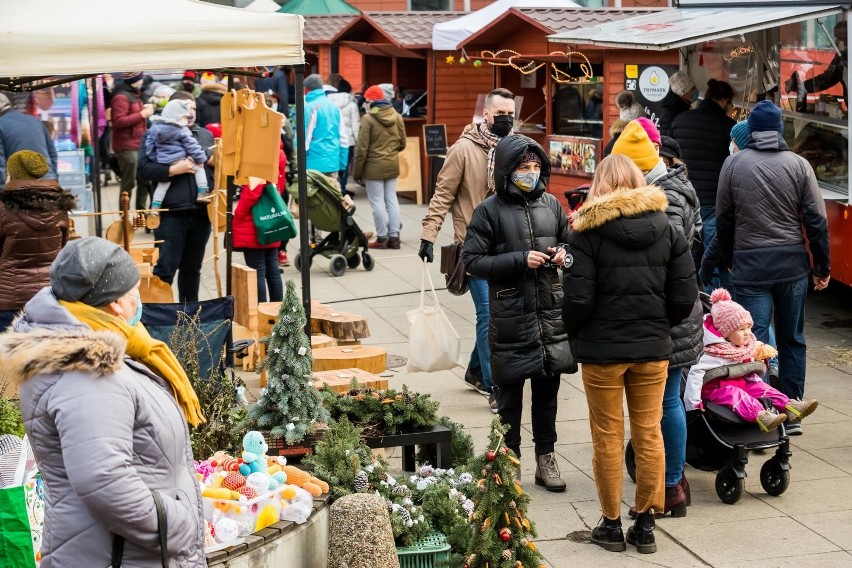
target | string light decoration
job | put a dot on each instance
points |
(493, 57)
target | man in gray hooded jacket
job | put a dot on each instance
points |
(768, 197)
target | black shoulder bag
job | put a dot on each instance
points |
(118, 541)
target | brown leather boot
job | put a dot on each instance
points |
(684, 484)
(675, 503)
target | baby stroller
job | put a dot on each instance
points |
(328, 212)
(717, 439)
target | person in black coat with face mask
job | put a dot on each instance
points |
(515, 241)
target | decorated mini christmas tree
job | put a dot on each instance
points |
(290, 405)
(502, 535)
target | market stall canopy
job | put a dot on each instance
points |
(317, 7)
(263, 6)
(41, 38)
(678, 27)
(448, 35)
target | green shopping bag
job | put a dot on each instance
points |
(16, 539)
(272, 219)
(22, 514)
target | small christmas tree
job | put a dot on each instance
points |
(290, 405)
(502, 535)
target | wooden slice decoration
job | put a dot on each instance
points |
(340, 325)
(115, 232)
(366, 357)
(340, 380)
(152, 222)
(321, 340)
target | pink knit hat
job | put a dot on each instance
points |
(651, 129)
(728, 316)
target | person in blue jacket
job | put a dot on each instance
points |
(326, 141)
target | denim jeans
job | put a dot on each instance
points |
(480, 357)
(721, 277)
(265, 262)
(673, 425)
(184, 239)
(786, 302)
(385, 206)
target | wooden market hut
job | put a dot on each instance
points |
(395, 47)
(319, 32)
(516, 50)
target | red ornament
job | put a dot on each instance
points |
(491, 456)
(505, 534)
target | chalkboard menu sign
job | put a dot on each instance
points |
(435, 136)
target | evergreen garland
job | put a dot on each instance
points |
(387, 411)
(290, 406)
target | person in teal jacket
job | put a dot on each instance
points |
(327, 144)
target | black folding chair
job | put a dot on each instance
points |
(216, 317)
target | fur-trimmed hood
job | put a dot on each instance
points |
(37, 195)
(46, 339)
(24, 355)
(634, 218)
(597, 211)
(214, 88)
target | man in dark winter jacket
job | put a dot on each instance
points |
(185, 227)
(704, 135)
(129, 122)
(768, 197)
(23, 132)
(515, 242)
(677, 101)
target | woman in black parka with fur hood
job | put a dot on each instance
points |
(511, 237)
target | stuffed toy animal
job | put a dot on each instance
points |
(764, 351)
(254, 453)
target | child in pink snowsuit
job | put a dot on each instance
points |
(728, 340)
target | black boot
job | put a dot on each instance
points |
(641, 534)
(608, 535)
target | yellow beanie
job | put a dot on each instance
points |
(635, 144)
(26, 164)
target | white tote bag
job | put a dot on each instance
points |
(433, 341)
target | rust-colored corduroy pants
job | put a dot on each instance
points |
(644, 384)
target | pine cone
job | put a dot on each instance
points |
(405, 515)
(506, 554)
(402, 490)
(362, 483)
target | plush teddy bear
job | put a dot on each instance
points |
(764, 351)
(254, 453)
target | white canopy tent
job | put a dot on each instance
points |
(75, 37)
(447, 36)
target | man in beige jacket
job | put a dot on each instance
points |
(463, 183)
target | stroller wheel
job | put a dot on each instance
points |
(630, 460)
(774, 478)
(369, 263)
(729, 486)
(298, 262)
(337, 265)
(353, 261)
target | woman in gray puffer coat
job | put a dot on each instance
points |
(106, 413)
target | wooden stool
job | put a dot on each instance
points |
(367, 357)
(340, 380)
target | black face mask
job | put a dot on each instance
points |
(502, 125)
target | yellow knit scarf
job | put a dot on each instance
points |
(143, 348)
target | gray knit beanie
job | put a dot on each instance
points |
(93, 271)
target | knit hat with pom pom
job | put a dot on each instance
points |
(728, 316)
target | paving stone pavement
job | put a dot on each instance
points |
(809, 526)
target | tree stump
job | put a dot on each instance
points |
(340, 325)
(367, 357)
(360, 533)
(340, 380)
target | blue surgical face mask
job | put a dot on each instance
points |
(694, 95)
(525, 181)
(137, 317)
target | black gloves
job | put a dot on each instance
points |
(426, 251)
